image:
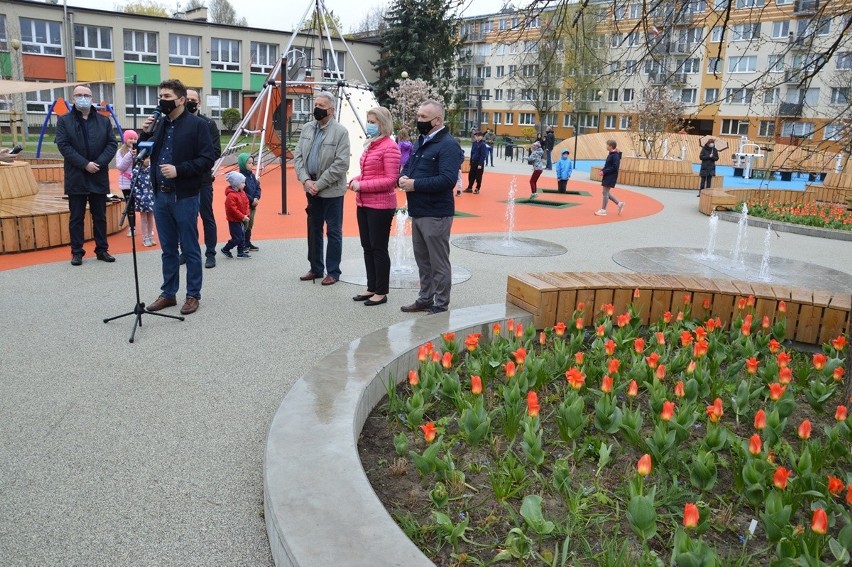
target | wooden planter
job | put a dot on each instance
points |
(660, 173)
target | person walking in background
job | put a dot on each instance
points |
(124, 159)
(180, 163)
(709, 156)
(237, 214)
(87, 144)
(205, 196)
(548, 145)
(489, 138)
(564, 167)
(375, 199)
(252, 189)
(428, 180)
(403, 142)
(321, 159)
(143, 202)
(478, 155)
(536, 160)
(609, 176)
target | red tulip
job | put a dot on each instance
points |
(661, 338)
(750, 301)
(578, 324)
(475, 384)
(706, 303)
(429, 431)
(782, 306)
(510, 369)
(710, 324)
(760, 419)
(837, 374)
(840, 413)
(680, 315)
(579, 357)
(413, 378)
(835, 485)
(783, 359)
(849, 494)
(700, 333)
(805, 429)
(751, 365)
(741, 303)
(472, 341)
(643, 467)
(449, 336)
(785, 375)
(638, 345)
(609, 347)
(755, 444)
(774, 346)
(520, 355)
(608, 309)
(542, 338)
(690, 515)
(532, 404)
(636, 293)
(819, 361)
(622, 320)
(661, 372)
(606, 384)
(495, 329)
(581, 306)
(690, 368)
(575, 378)
(519, 330)
(436, 356)
(819, 522)
(612, 365)
(447, 360)
(715, 412)
(685, 338)
(764, 324)
(559, 328)
(839, 343)
(633, 389)
(600, 331)
(510, 325)
(678, 389)
(422, 354)
(667, 317)
(779, 479)
(687, 299)
(668, 411)
(745, 329)
(776, 390)
(653, 359)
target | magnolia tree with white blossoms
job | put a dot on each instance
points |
(407, 96)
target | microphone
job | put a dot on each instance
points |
(152, 127)
(143, 150)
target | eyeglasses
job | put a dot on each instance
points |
(82, 96)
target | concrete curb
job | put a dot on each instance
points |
(789, 227)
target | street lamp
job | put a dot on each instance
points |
(600, 109)
(16, 116)
(404, 76)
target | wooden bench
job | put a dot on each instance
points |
(717, 199)
(836, 188)
(659, 173)
(813, 316)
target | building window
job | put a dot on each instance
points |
(92, 42)
(612, 95)
(618, 13)
(184, 50)
(745, 32)
(498, 94)
(102, 92)
(716, 34)
(781, 30)
(714, 65)
(742, 64)
(688, 96)
(40, 101)
(509, 119)
(833, 132)
(499, 71)
(627, 95)
(224, 54)
(569, 95)
(690, 66)
(635, 11)
(141, 46)
(749, 4)
(738, 96)
(510, 95)
(734, 127)
(609, 122)
(843, 61)
(798, 129)
(41, 36)
(625, 123)
(484, 118)
(776, 63)
(528, 94)
(512, 70)
(567, 120)
(147, 98)
(227, 99)
(632, 39)
(840, 95)
(4, 45)
(772, 96)
(264, 56)
(711, 95)
(766, 129)
(333, 64)
(498, 118)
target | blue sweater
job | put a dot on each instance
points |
(478, 152)
(564, 167)
(434, 166)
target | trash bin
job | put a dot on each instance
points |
(510, 148)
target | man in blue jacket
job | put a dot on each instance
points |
(182, 157)
(428, 179)
(87, 143)
(478, 156)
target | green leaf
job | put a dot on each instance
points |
(532, 515)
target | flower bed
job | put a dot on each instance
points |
(684, 441)
(835, 217)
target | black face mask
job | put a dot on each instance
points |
(191, 106)
(320, 113)
(424, 127)
(167, 106)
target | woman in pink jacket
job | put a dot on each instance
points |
(375, 195)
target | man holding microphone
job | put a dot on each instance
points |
(183, 154)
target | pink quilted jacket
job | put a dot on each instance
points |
(379, 172)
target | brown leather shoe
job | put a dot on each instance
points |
(308, 276)
(161, 303)
(415, 307)
(189, 306)
(329, 280)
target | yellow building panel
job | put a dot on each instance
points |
(189, 76)
(92, 71)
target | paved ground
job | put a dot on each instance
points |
(151, 453)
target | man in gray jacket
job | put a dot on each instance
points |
(321, 160)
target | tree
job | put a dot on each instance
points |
(421, 39)
(329, 19)
(408, 95)
(372, 22)
(657, 112)
(221, 12)
(192, 5)
(144, 8)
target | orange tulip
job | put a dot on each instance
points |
(436, 356)
(579, 357)
(661, 338)
(413, 378)
(668, 411)
(779, 479)
(609, 347)
(472, 342)
(475, 384)
(652, 360)
(745, 329)
(422, 354)
(805, 429)
(519, 330)
(776, 390)
(710, 324)
(741, 303)
(840, 413)
(636, 293)
(782, 306)
(447, 360)
(839, 343)
(849, 494)
(578, 324)
(687, 299)
(819, 522)
(633, 389)
(542, 338)
(690, 515)
(495, 329)
(510, 325)
(837, 374)
(581, 306)
(520, 355)
(715, 412)
(449, 336)
(429, 431)
(510, 369)
(532, 404)
(783, 359)
(819, 361)
(751, 365)
(685, 338)
(608, 309)
(835, 485)
(612, 365)
(667, 317)
(700, 333)
(706, 303)
(680, 315)
(690, 368)
(774, 346)
(622, 320)
(600, 331)
(785, 375)
(760, 419)
(750, 301)
(764, 324)
(638, 345)
(678, 390)
(643, 467)
(606, 384)
(755, 444)
(575, 378)
(661, 372)
(559, 328)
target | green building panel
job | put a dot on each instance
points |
(226, 80)
(5, 65)
(146, 73)
(256, 82)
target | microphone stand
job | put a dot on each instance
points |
(130, 215)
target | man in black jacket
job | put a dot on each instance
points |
(208, 221)
(87, 143)
(428, 179)
(182, 156)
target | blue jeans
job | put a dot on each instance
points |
(328, 212)
(177, 222)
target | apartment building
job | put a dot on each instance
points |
(760, 73)
(125, 56)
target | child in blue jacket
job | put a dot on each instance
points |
(564, 167)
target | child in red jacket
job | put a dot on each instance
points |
(237, 213)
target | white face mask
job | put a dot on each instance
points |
(82, 103)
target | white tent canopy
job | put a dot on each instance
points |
(15, 87)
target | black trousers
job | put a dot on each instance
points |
(205, 211)
(97, 208)
(374, 229)
(475, 175)
(705, 182)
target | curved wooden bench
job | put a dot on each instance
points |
(813, 316)
(659, 173)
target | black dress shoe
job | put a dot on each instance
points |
(415, 307)
(76, 259)
(370, 302)
(364, 297)
(105, 257)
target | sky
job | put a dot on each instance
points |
(285, 15)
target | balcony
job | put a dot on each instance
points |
(806, 6)
(790, 109)
(681, 47)
(477, 59)
(477, 81)
(793, 76)
(798, 43)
